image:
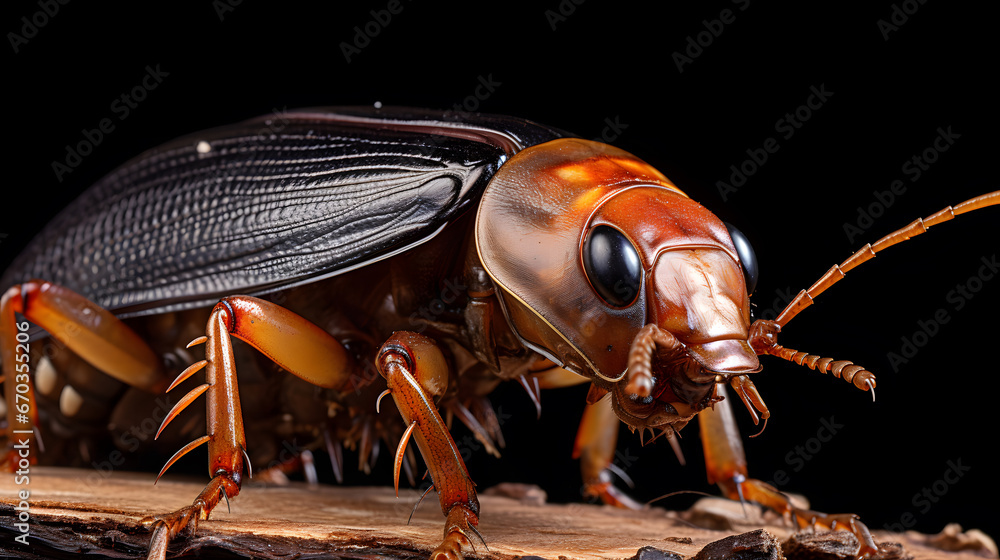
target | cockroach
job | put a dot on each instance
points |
(445, 251)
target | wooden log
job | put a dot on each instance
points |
(72, 512)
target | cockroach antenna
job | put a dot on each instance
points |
(763, 333)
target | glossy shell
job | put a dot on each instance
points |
(268, 204)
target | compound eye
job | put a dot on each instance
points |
(612, 265)
(748, 259)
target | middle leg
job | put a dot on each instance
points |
(416, 372)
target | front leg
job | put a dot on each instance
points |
(727, 467)
(595, 446)
(416, 372)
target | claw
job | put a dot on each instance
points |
(534, 392)
(188, 372)
(336, 452)
(457, 527)
(308, 466)
(739, 478)
(366, 445)
(414, 510)
(400, 451)
(181, 405)
(378, 401)
(622, 475)
(483, 410)
(197, 341)
(676, 446)
(474, 426)
(167, 527)
(249, 466)
(180, 453)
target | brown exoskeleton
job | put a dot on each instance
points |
(579, 263)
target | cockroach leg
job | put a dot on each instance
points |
(302, 461)
(90, 331)
(596, 441)
(165, 528)
(290, 341)
(416, 372)
(474, 425)
(727, 467)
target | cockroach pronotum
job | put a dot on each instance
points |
(322, 245)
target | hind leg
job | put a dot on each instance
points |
(91, 332)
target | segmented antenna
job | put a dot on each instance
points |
(763, 334)
(805, 298)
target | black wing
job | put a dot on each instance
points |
(267, 204)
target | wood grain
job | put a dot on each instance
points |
(74, 512)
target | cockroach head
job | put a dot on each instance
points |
(587, 245)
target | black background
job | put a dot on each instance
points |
(610, 62)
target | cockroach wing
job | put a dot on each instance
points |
(269, 203)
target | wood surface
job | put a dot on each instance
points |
(73, 512)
